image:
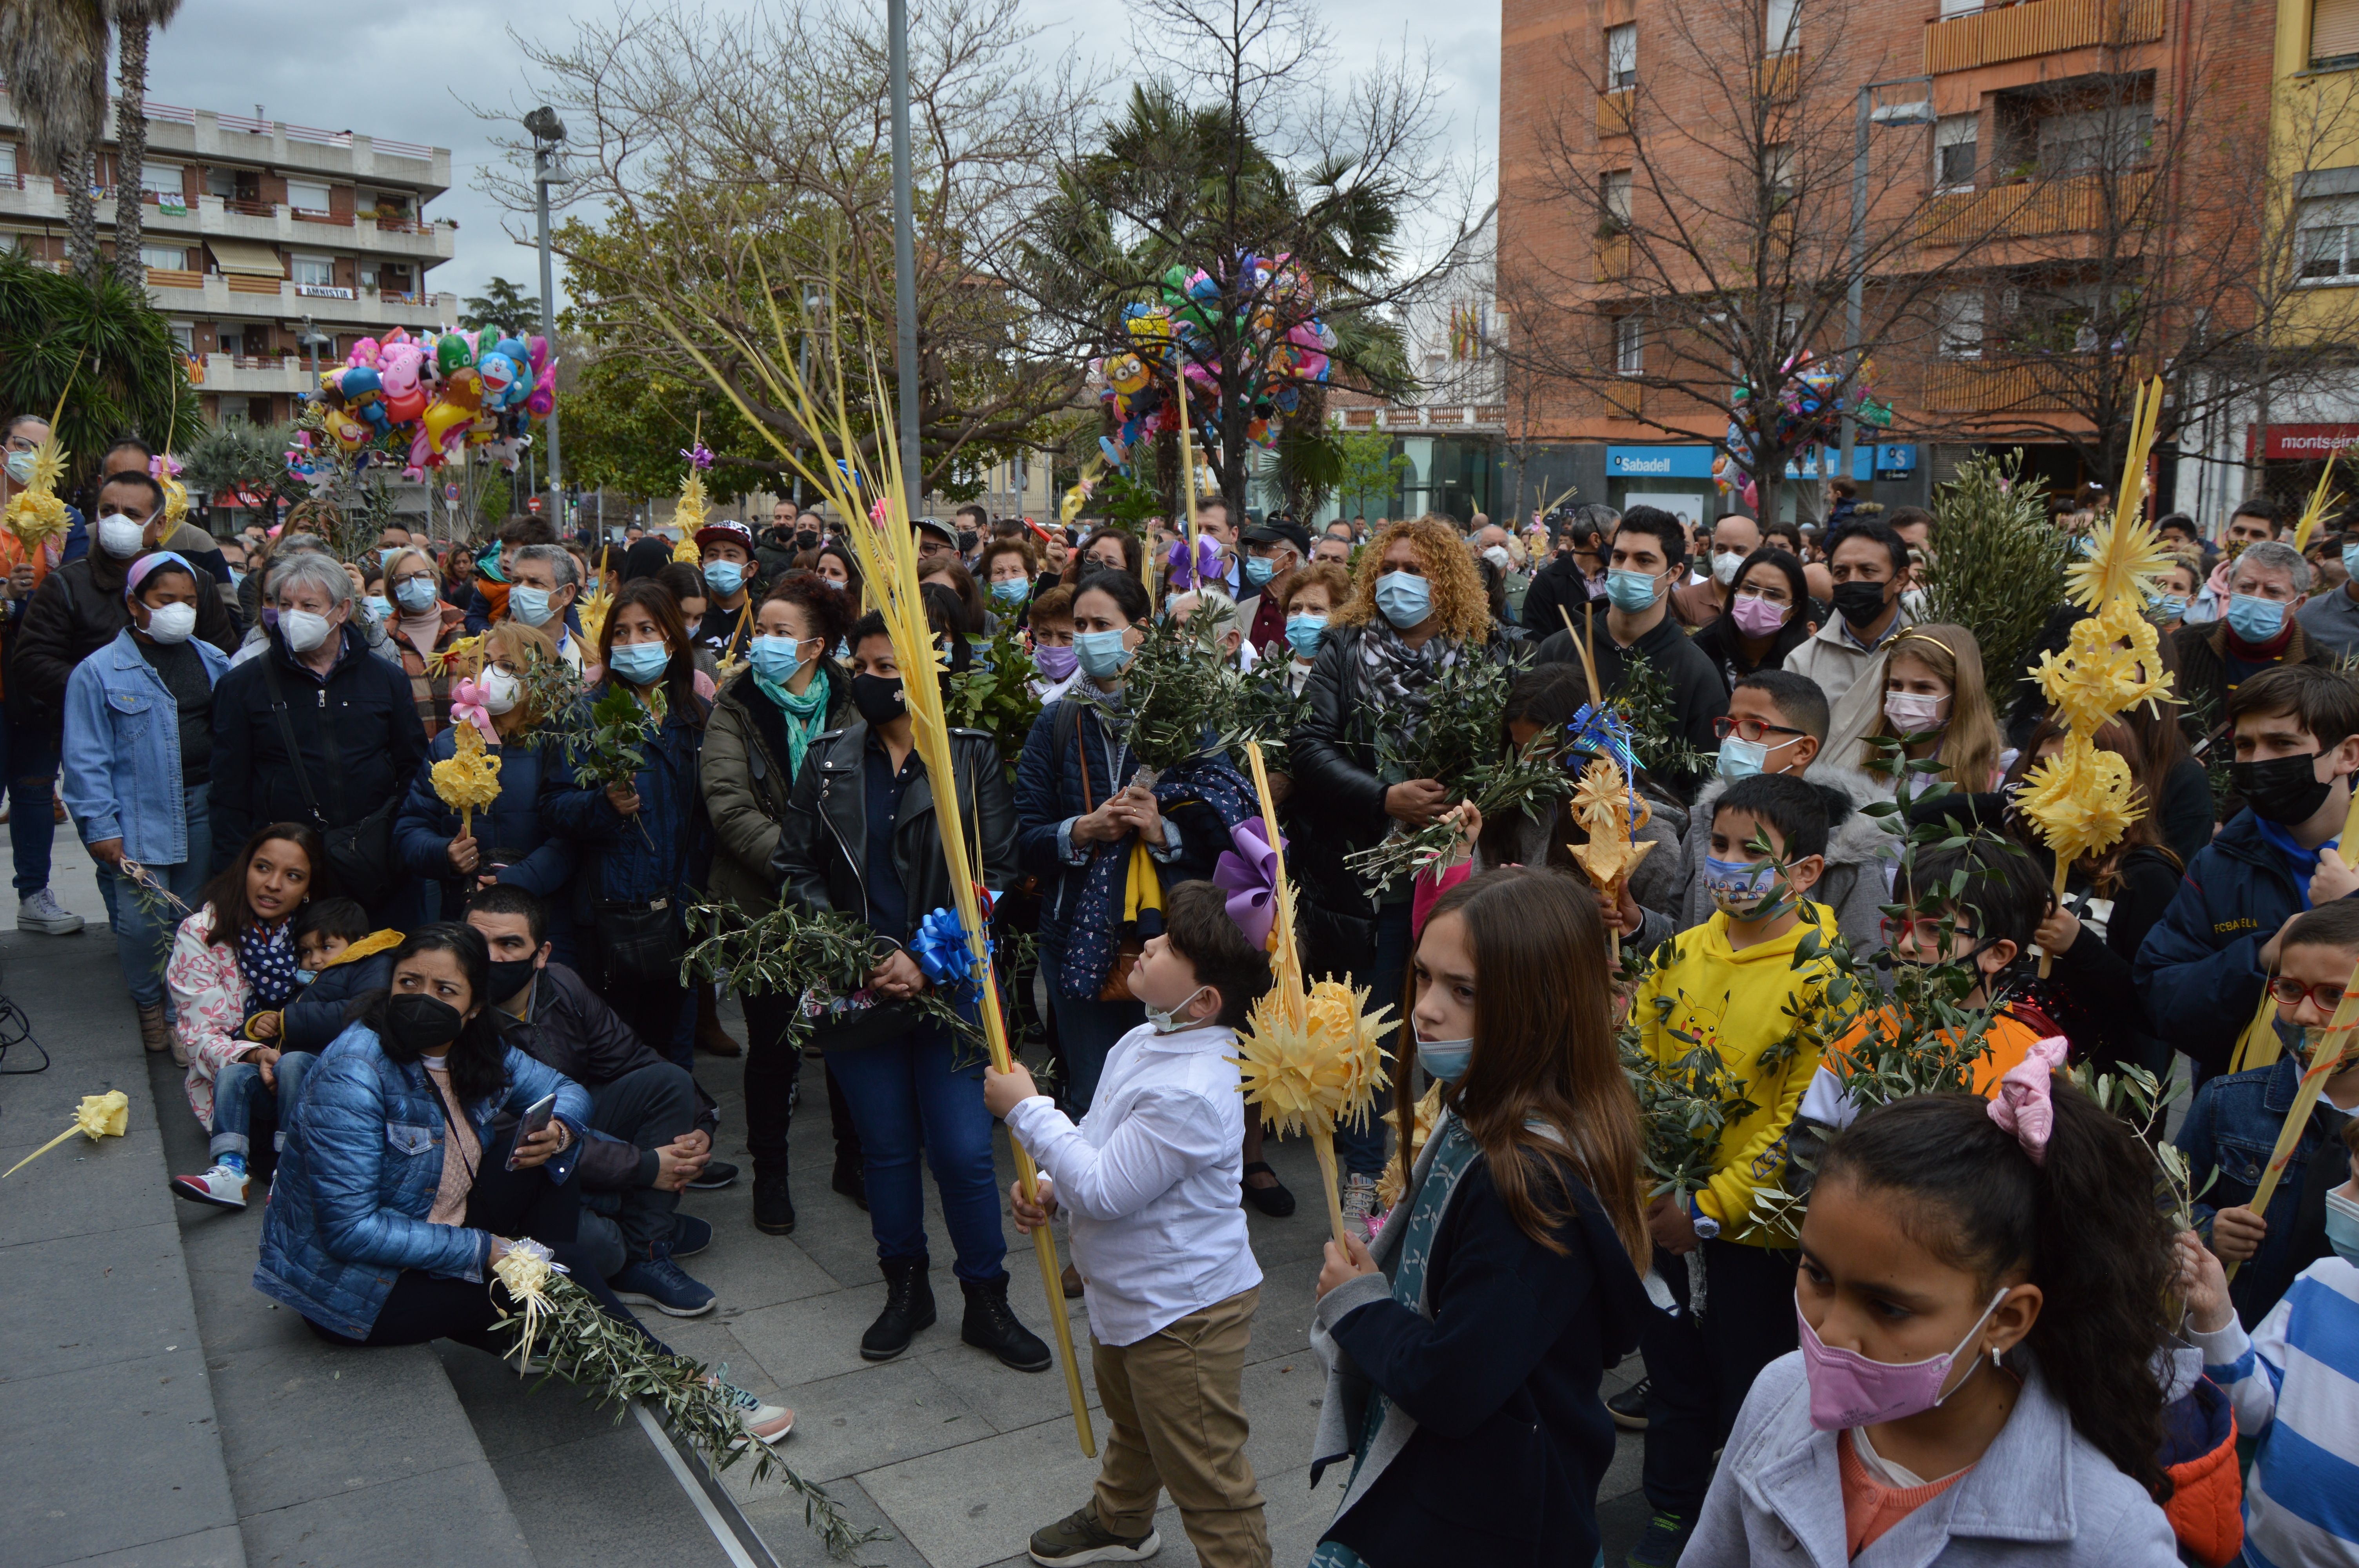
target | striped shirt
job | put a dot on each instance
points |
(2295, 1385)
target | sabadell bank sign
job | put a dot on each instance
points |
(1658, 462)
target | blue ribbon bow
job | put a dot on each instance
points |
(940, 948)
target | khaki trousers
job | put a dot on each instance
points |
(1175, 1401)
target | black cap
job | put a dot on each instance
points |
(1279, 531)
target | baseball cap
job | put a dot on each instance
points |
(1280, 530)
(727, 531)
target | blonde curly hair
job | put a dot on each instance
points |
(1459, 599)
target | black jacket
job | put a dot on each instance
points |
(1698, 696)
(363, 706)
(78, 610)
(822, 858)
(1559, 585)
(1512, 1438)
(320, 1011)
(570, 1029)
(1723, 644)
(1339, 802)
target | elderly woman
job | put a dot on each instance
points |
(509, 842)
(133, 782)
(317, 730)
(419, 625)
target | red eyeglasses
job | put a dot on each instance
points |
(2326, 994)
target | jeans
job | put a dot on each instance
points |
(234, 1092)
(1087, 1031)
(1360, 1145)
(145, 924)
(649, 1107)
(32, 764)
(903, 1094)
(1701, 1369)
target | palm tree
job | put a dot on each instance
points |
(133, 21)
(53, 54)
(98, 351)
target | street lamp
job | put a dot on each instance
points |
(1914, 112)
(548, 169)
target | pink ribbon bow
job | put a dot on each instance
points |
(2023, 1105)
(467, 707)
(1248, 875)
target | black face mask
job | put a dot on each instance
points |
(966, 539)
(807, 540)
(878, 698)
(510, 976)
(1859, 602)
(2283, 790)
(416, 1023)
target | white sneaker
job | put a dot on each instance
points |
(1359, 1197)
(761, 1420)
(223, 1186)
(43, 913)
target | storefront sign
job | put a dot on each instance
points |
(2308, 443)
(1889, 460)
(1658, 462)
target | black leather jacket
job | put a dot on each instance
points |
(822, 860)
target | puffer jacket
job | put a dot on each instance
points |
(358, 1175)
(78, 610)
(2200, 969)
(1860, 855)
(513, 832)
(748, 784)
(822, 858)
(1339, 802)
(619, 863)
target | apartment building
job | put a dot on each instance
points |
(266, 244)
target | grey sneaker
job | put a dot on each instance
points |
(1359, 1197)
(1080, 1538)
(44, 913)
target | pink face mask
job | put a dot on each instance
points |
(1847, 1390)
(1759, 617)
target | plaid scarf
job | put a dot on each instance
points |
(1396, 676)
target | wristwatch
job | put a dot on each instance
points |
(1706, 1228)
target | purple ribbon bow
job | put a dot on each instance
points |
(699, 456)
(1207, 567)
(1248, 875)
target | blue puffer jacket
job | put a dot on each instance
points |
(619, 863)
(2229, 1134)
(357, 1179)
(536, 861)
(2200, 969)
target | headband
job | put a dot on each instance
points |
(1915, 636)
(145, 568)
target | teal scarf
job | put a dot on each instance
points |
(806, 715)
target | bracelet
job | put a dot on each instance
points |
(564, 1136)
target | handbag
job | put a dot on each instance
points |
(360, 854)
(1117, 983)
(643, 942)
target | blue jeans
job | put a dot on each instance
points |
(234, 1092)
(32, 766)
(144, 923)
(904, 1094)
(1361, 1145)
(1087, 1031)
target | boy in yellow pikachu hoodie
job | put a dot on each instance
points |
(1731, 986)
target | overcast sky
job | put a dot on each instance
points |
(399, 73)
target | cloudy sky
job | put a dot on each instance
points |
(401, 72)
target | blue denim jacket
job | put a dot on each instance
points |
(358, 1175)
(120, 762)
(2229, 1134)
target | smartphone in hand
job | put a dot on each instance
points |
(537, 1118)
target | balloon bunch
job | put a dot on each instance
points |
(1808, 410)
(425, 401)
(1173, 343)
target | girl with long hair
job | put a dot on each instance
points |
(1980, 1298)
(1769, 614)
(1472, 1373)
(1935, 702)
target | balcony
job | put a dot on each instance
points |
(2002, 385)
(2032, 208)
(406, 238)
(1997, 34)
(1613, 257)
(1614, 111)
(249, 372)
(1623, 399)
(1777, 77)
(188, 293)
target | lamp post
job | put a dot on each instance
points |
(905, 253)
(1915, 112)
(548, 135)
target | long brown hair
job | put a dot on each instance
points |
(1970, 743)
(226, 892)
(1543, 1053)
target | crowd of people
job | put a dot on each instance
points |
(425, 1037)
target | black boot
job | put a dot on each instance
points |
(851, 1181)
(992, 1324)
(774, 1206)
(908, 1307)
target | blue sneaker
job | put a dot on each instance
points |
(655, 1281)
(689, 1235)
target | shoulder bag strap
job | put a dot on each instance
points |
(286, 735)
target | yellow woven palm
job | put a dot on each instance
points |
(2112, 662)
(35, 513)
(1601, 803)
(1312, 1061)
(2083, 799)
(176, 500)
(469, 779)
(592, 612)
(693, 506)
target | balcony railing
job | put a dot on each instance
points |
(175, 277)
(2070, 206)
(2000, 33)
(401, 297)
(1624, 399)
(241, 283)
(1613, 110)
(1777, 77)
(1613, 257)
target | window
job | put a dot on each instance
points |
(2330, 239)
(307, 198)
(2334, 30)
(1784, 21)
(1622, 55)
(185, 334)
(8, 163)
(1614, 201)
(368, 275)
(2096, 140)
(1960, 8)
(1961, 322)
(222, 182)
(318, 271)
(160, 179)
(170, 258)
(1629, 345)
(1777, 160)
(1954, 151)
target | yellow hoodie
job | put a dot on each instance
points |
(1745, 1004)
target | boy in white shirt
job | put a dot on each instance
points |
(1149, 1180)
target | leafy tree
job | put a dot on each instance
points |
(504, 307)
(1998, 565)
(626, 424)
(237, 455)
(1372, 469)
(100, 347)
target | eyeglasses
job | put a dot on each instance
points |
(1926, 934)
(1748, 729)
(2328, 994)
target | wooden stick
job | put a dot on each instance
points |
(466, 822)
(2063, 870)
(1187, 479)
(1322, 1144)
(2324, 1063)
(1587, 650)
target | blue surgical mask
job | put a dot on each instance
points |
(1166, 1019)
(1101, 653)
(2342, 1225)
(1302, 633)
(773, 659)
(640, 663)
(2254, 619)
(378, 606)
(1405, 598)
(1631, 593)
(724, 578)
(235, 577)
(529, 605)
(1745, 888)
(1445, 1059)
(1741, 759)
(305, 976)
(1260, 570)
(1012, 591)
(418, 596)
(2350, 560)
(2168, 606)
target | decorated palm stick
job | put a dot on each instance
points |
(98, 1116)
(2321, 500)
(1612, 812)
(2325, 1059)
(468, 781)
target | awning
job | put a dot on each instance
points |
(247, 257)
